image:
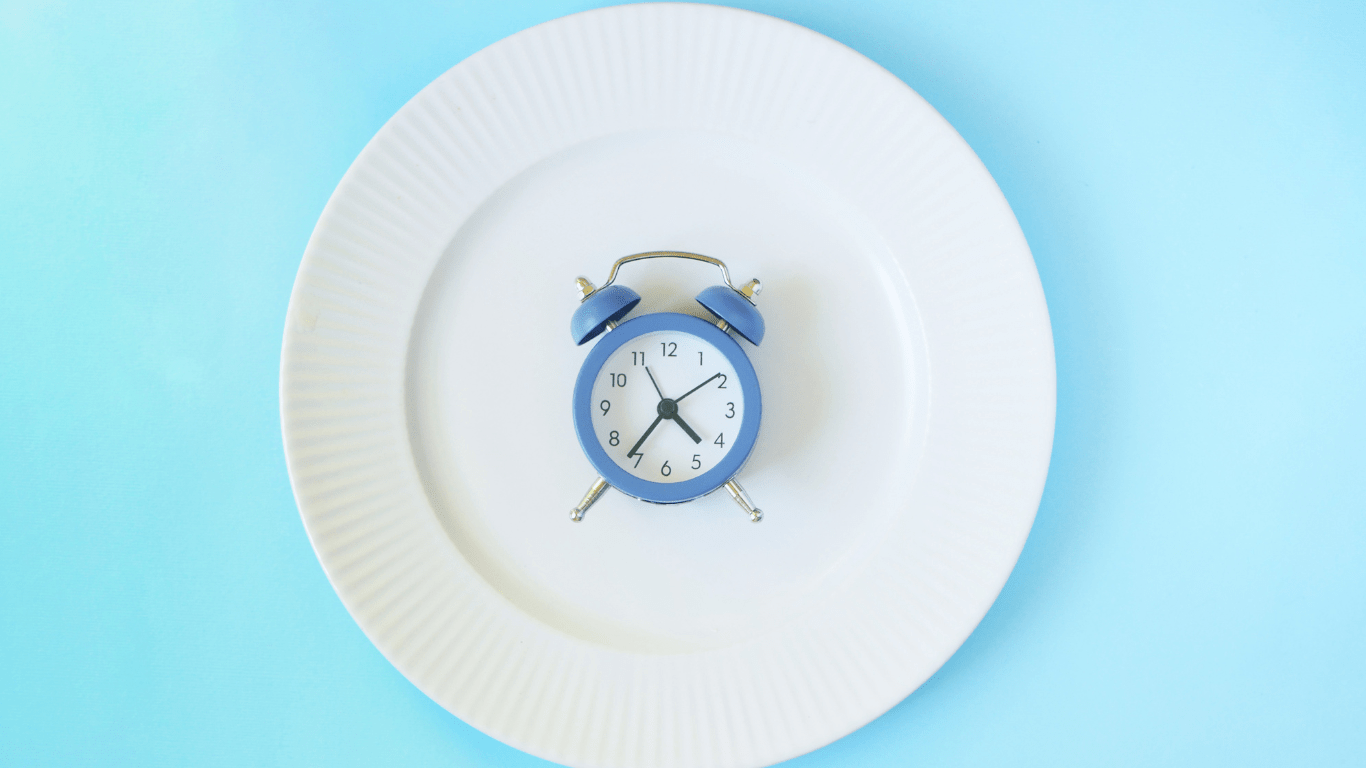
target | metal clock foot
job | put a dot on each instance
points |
(599, 485)
(742, 498)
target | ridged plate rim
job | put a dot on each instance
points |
(580, 78)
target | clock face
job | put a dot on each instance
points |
(667, 406)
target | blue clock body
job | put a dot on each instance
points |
(647, 490)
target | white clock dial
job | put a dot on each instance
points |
(656, 389)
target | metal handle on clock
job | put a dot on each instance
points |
(749, 290)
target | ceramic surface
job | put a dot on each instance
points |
(907, 376)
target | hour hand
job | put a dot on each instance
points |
(668, 409)
(687, 428)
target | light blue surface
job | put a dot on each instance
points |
(1191, 178)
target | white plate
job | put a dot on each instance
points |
(907, 375)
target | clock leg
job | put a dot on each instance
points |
(599, 485)
(742, 498)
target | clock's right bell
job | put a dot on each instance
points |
(731, 305)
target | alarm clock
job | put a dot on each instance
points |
(667, 405)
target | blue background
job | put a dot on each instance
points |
(1191, 178)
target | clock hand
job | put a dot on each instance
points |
(668, 409)
(641, 441)
(652, 381)
(694, 389)
(674, 415)
(687, 428)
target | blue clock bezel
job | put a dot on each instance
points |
(687, 490)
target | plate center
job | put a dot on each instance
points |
(491, 369)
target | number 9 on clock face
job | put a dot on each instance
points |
(673, 406)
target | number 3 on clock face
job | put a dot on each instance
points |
(667, 407)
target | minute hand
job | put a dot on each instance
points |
(694, 389)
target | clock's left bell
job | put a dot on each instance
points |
(605, 305)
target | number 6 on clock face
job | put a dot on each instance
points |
(667, 407)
